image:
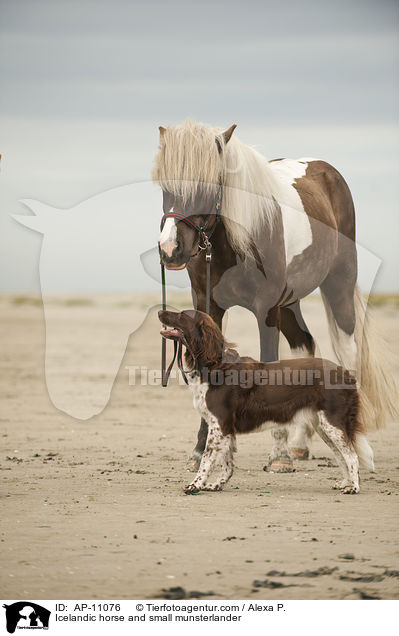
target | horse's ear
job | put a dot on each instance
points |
(228, 133)
(162, 130)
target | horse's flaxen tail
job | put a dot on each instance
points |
(379, 397)
(364, 452)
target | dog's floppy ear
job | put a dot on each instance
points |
(211, 341)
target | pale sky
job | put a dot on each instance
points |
(84, 86)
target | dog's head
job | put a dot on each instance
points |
(198, 332)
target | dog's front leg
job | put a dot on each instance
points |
(226, 460)
(219, 449)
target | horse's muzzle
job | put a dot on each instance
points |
(176, 260)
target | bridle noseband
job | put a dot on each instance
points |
(203, 244)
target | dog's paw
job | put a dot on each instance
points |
(213, 487)
(346, 487)
(340, 485)
(191, 489)
(350, 490)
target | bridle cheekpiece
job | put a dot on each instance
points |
(204, 235)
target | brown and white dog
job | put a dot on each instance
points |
(240, 395)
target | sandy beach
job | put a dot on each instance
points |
(95, 508)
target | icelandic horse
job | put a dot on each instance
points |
(285, 228)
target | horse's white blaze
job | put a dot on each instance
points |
(297, 229)
(168, 237)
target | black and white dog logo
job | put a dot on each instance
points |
(26, 615)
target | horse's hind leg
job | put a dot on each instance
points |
(299, 446)
(338, 291)
(301, 343)
(279, 458)
(343, 451)
(294, 328)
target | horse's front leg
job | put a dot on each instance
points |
(279, 459)
(195, 459)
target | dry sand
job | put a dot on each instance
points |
(95, 508)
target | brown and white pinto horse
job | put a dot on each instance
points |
(286, 227)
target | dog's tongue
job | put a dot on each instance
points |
(169, 333)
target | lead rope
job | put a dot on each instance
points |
(208, 258)
(180, 361)
(177, 352)
(178, 347)
(166, 371)
(163, 345)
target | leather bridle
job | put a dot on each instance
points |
(202, 230)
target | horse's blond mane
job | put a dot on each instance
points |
(189, 155)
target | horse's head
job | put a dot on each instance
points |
(181, 239)
(189, 170)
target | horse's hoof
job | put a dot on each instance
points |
(299, 453)
(193, 463)
(280, 466)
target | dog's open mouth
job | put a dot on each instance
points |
(171, 332)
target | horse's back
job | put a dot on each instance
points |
(323, 191)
